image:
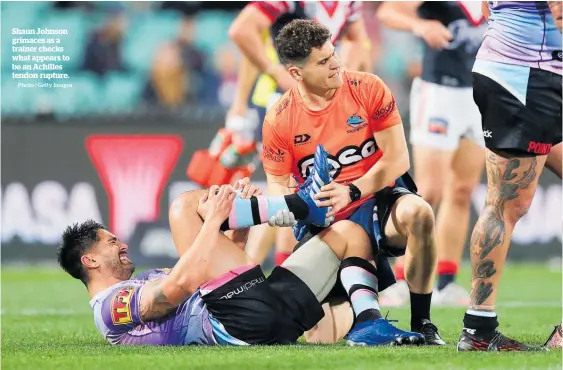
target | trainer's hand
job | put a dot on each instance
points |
(246, 189)
(434, 33)
(556, 11)
(282, 218)
(218, 203)
(338, 197)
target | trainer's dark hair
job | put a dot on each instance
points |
(298, 38)
(76, 240)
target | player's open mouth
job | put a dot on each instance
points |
(123, 257)
(335, 75)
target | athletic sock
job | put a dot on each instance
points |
(484, 322)
(399, 271)
(447, 271)
(358, 278)
(420, 309)
(259, 209)
(280, 258)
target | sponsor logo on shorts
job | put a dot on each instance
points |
(438, 126)
(134, 170)
(301, 139)
(346, 156)
(121, 306)
(557, 55)
(488, 134)
(243, 288)
(539, 148)
(275, 155)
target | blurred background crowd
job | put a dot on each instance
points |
(133, 56)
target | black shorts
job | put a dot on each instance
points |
(259, 310)
(509, 125)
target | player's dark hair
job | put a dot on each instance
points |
(76, 240)
(298, 38)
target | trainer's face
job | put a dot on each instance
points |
(110, 255)
(323, 68)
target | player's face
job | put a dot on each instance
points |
(323, 69)
(113, 256)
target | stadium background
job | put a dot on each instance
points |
(167, 74)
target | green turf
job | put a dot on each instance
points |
(47, 324)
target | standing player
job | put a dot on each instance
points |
(517, 87)
(353, 114)
(445, 128)
(215, 294)
(254, 31)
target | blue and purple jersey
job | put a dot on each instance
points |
(117, 317)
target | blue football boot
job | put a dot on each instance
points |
(319, 177)
(381, 332)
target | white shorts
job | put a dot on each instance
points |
(441, 115)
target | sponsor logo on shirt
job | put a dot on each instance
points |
(275, 155)
(384, 112)
(121, 306)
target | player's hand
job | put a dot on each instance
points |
(246, 189)
(338, 197)
(218, 203)
(434, 33)
(281, 76)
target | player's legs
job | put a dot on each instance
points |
(511, 187)
(553, 161)
(452, 221)
(411, 224)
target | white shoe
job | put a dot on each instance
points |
(396, 295)
(453, 295)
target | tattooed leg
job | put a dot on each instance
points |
(511, 187)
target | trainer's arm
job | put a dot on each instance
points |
(247, 75)
(246, 32)
(400, 15)
(393, 163)
(160, 297)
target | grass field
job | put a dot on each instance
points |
(47, 324)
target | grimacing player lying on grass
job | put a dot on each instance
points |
(215, 294)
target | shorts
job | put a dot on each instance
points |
(520, 107)
(379, 206)
(442, 115)
(256, 309)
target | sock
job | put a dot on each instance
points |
(399, 271)
(420, 309)
(358, 278)
(447, 271)
(483, 321)
(258, 210)
(280, 258)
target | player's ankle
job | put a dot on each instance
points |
(447, 271)
(482, 323)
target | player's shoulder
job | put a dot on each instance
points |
(278, 115)
(359, 80)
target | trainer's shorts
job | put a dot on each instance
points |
(520, 107)
(259, 310)
(442, 115)
(379, 207)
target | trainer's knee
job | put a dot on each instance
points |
(417, 217)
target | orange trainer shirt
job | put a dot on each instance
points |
(362, 106)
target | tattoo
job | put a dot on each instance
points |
(481, 292)
(484, 270)
(154, 304)
(490, 231)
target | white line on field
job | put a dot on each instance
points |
(67, 312)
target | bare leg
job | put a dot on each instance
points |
(554, 159)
